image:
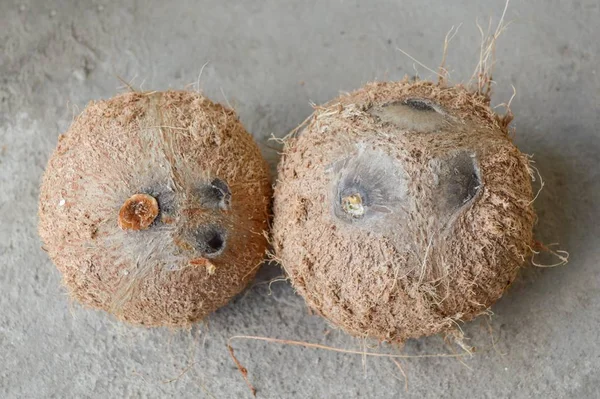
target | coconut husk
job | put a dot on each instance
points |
(116, 251)
(402, 208)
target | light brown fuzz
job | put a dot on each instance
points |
(402, 208)
(165, 197)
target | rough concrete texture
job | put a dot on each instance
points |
(269, 60)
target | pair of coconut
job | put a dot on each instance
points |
(398, 210)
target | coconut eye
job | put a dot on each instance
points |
(215, 195)
(463, 180)
(459, 179)
(210, 240)
(414, 114)
(366, 187)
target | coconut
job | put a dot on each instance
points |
(153, 207)
(402, 208)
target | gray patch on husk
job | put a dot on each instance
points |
(380, 182)
(414, 114)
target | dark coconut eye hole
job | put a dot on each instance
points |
(211, 240)
(461, 178)
(419, 104)
(215, 195)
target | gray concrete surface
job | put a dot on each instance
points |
(269, 59)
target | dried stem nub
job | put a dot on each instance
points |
(138, 212)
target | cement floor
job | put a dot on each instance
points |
(269, 60)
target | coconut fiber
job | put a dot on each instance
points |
(402, 208)
(153, 207)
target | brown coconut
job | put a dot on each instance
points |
(402, 208)
(153, 207)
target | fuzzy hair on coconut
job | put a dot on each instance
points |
(153, 207)
(403, 207)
